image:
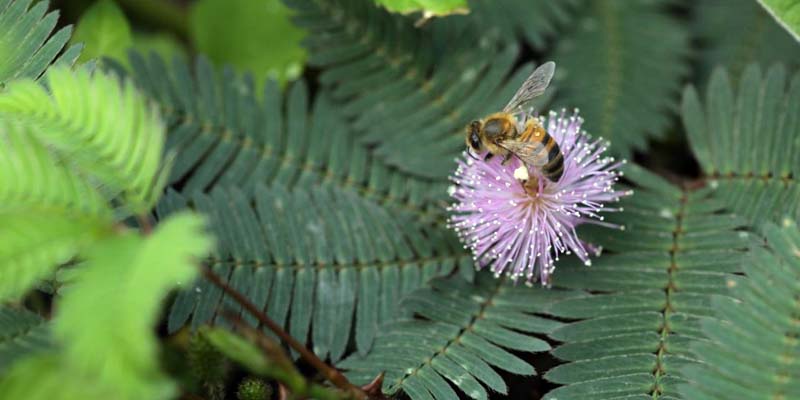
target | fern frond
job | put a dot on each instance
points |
(107, 131)
(49, 212)
(467, 332)
(677, 250)
(752, 349)
(746, 141)
(32, 178)
(104, 323)
(333, 256)
(36, 242)
(409, 92)
(536, 21)
(226, 133)
(625, 86)
(122, 282)
(26, 47)
(21, 333)
(723, 44)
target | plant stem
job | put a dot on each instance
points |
(330, 373)
(144, 223)
(160, 13)
(289, 376)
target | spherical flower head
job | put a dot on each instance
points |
(519, 224)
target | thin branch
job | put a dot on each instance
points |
(330, 373)
(298, 384)
(144, 223)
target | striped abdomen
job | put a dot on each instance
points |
(552, 167)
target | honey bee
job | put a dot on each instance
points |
(500, 134)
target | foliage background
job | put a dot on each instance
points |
(315, 137)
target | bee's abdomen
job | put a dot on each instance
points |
(554, 167)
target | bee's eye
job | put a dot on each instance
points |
(475, 141)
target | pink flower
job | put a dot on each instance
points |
(522, 232)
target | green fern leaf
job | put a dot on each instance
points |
(225, 132)
(104, 322)
(535, 21)
(46, 377)
(107, 131)
(717, 25)
(337, 259)
(407, 92)
(36, 242)
(677, 250)
(262, 40)
(623, 84)
(104, 32)
(752, 349)
(21, 333)
(468, 332)
(49, 212)
(428, 8)
(746, 141)
(26, 47)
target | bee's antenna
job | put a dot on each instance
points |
(472, 156)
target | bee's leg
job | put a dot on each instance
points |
(488, 157)
(531, 186)
(506, 158)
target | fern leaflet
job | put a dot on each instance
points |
(677, 250)
(625, 86)
(463, 337)
(26, 47)
(746, 142)
(21, 333)
(752, 350)
(408, 92)
(226, 132)
(316, 260)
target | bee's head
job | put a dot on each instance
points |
(473, 136)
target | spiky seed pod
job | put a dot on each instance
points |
(253, 389)
(209, 367)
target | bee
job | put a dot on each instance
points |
(500, 135)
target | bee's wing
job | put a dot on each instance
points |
(533, 87)
(532, 154)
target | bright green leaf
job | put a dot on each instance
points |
(428, 7)
(105, 321)
(786, 12)
(163, 44)
(35, 243)
(104, 31)
(48, 377)
(21, 333)
(49, 211)
(238, 349)
(252, 35)
(106, 129)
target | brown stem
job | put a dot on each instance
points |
(288, 375)
(330, 373)
(144, 223)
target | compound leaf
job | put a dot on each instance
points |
(746, 141)
(751, 349)
(677, 250)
